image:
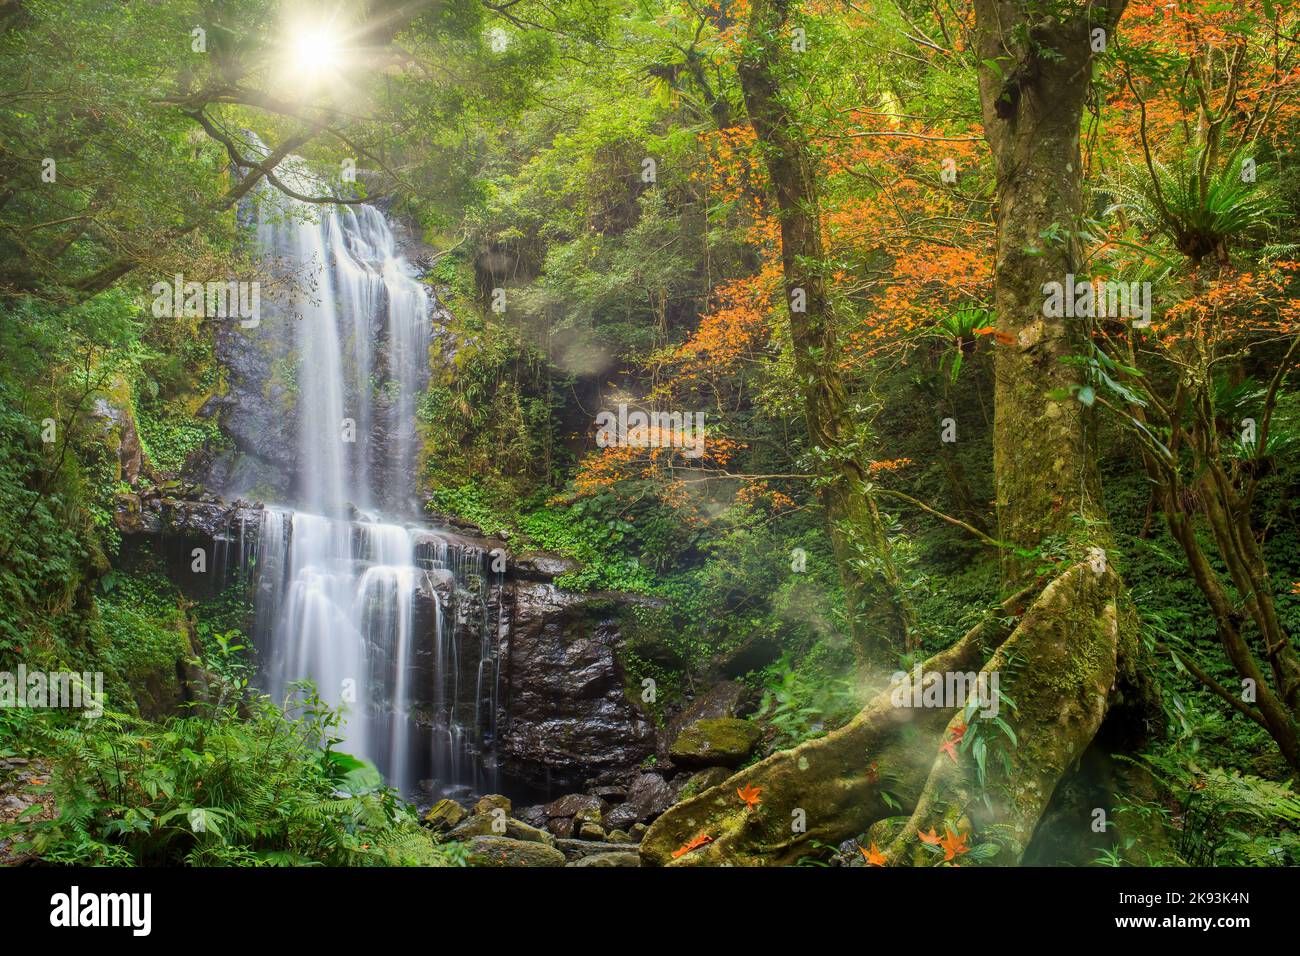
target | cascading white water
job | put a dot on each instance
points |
(338, 587)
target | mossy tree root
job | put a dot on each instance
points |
(1063, 667)
(825, 790)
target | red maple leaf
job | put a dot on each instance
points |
(694, 844)
(1002, 338)
(953, 844)
(874, 857)
(949, 746)
(750, 794)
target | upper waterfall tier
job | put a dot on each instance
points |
(360, 331)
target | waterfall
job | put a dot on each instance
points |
(352, 594)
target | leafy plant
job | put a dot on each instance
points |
(220, 789)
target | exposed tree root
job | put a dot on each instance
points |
(825, 790)
(1069, 660)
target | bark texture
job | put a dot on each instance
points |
(878, 613)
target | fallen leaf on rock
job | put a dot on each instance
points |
(695, 844)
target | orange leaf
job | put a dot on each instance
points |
(695, 844)
(931, 838)
(949, 746)
(875, 857)
(750, 794)
(953, 844)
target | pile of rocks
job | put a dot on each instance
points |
(495, 838)
(699, 749)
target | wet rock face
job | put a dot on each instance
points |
(563, 720)
(173, 527)
(567, 719)
(256, 410)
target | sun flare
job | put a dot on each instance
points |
(315, 56)
(317, 49)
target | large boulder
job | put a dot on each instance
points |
(496, 851)
(725, 699)
(648, 795)
(717, 742)
(575, 803)
(541, 566)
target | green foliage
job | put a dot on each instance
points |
(805, 700)
(1247, 820)
(1201, 212)
(592, 534)
(143, 631)
(488, 415)
(43, 550)
(220, 790)
(169, 436)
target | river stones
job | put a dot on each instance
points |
(609, 859)
(445, 814)
(648, 795)
(498, 851)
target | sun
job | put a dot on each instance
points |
(317, 49)
(315, 56)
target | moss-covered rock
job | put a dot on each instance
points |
(480, 824)
(591, 831)
(493, 801)
(518, 830)
(717, 742)
(494, 851)
(705, 779)
(445, 814)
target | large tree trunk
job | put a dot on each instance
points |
(878, 614)
(1073, 657)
